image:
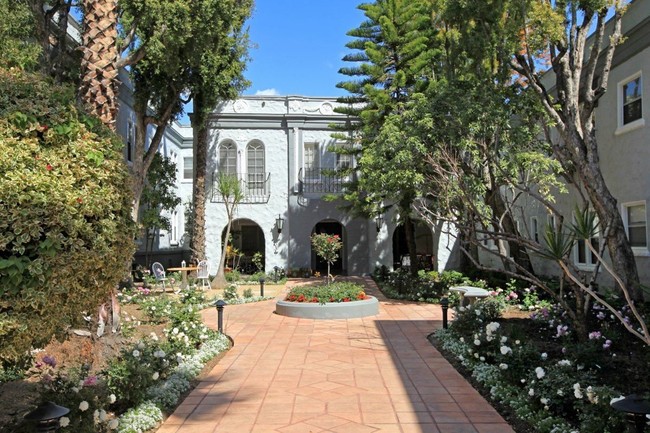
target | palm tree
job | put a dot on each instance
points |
(98, 89)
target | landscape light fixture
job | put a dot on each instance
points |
(47, 416)
(279, 223)
(379, 222)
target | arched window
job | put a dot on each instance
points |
(255, 166)
(228, 158)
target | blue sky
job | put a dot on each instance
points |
(297, 46)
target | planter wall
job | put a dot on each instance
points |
(330, 310)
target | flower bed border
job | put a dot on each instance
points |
(329, 310)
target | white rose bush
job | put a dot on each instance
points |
(552, 390)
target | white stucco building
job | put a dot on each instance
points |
(279, 149)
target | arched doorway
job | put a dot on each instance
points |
(317, 264)
(247, 240)
(423, 245)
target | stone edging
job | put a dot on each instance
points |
(329, 310)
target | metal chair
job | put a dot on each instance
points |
(159, 274)
(203, 273)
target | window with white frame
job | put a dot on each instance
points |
(634, 216)
(534, 229)
(630, 103)
(311, 160)
(173, 235)
(255, 166)
(188, 168)
(583, 256)
(228, 158)
(130, 140)
(551, 221)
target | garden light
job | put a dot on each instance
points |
(444, 303)
(262, 280)
(636, 407)
(47, 416)
(220, 304)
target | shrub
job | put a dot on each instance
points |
(66, 229)
(230, 292)
(248, 293)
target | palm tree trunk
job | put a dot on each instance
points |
(197, 242)
(99, 86)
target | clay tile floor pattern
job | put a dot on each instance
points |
(376, 374)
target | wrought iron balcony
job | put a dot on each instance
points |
(322, 180)
(255, 186)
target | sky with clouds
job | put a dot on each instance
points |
(297, 46)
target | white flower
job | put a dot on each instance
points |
(113, 424)
(102, 415)
(482, 358)
(477, 342)
(64, 421)
(505, 350)
(478, 312)
(83, 406)
(175, 331)
(576, 391)
(564, 363)
(136, 353)
(544, 355)
(75, 389)
(476, 355)
(153, 336)
(544, 401)
(503, 366)
(539, 371)
(96, 416)
(155, 376)
(517, 342)
(462, 339)
(112, 399)
(531, 392)
(141, 345)
(504, 339)
(492, 327)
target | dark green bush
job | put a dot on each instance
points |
(66, 232)
(335, 292)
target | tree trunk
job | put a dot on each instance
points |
(606, 207)
(219, 281)
(494, 199)
(99, 86)
(197, 242)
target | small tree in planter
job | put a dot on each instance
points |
(327, 247)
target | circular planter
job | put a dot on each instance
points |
(329, 310)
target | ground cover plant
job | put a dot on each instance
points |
(333, 292)
(540, 370)
(145, 378)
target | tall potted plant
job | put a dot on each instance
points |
(327, 247)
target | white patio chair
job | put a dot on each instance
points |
(159, 274)
(203, 273)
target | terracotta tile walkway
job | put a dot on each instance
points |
(376, 374)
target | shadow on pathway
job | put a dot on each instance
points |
(376, 374)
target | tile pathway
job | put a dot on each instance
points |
(376, 374)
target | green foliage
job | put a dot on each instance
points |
(66, 230)
(157, 308)
(258, 261)
(17, 47)
(335, 292)
(248, 293)
(230, 292)
(159, 194)
(326, 246)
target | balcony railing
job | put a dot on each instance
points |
(321, 180)
(255, 186)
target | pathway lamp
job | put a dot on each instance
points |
(636, 407)
(47, 416)
(444, 304)
(220, 304)
(262, 280)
